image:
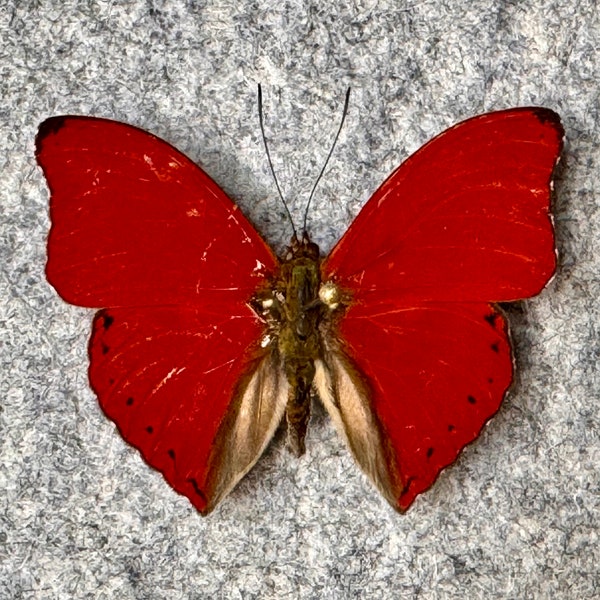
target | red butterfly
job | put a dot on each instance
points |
(209, 340)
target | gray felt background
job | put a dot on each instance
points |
(81, 515)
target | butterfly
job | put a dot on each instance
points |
(205, 341)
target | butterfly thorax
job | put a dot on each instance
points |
(294, 310)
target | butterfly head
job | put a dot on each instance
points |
(302, 248)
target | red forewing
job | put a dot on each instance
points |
(462, 223)
(465, 218)
(136, 223)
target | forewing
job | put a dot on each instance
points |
(136, 223)
(185, 388)
(465, 218)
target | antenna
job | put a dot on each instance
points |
(337, 135)
(264, 137)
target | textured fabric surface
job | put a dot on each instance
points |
(82, 516)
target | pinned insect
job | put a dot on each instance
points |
(205, 341)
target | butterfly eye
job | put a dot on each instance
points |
(329, 294)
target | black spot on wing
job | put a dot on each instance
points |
(409, 482)
(471, 399)
(105, 348)
(451, 428)
(491, 319)
(107, 321)
(495, 347)
(129, 401)
(490, 380)
(429, 452)
(150, 429)
(171, 453)
(198, 490)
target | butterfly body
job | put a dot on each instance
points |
(293, 312)
(206, 341)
